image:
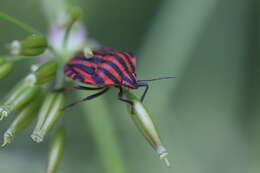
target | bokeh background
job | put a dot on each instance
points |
(208, 116)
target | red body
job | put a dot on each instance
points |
(106, 68)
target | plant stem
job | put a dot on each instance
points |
(16, 58)
(66, 36)
(59, 77)
(103, 132)
(18, 23)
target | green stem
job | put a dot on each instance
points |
(18, 23)
(59, 77)
(103, 132)
(16, 58)
(66, 36)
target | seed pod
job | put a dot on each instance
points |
(22, 94)
(23, 119)
(5, 68)
(46, 72)
(144, 122)
(48, 115)
(56, 151)
(33, 45)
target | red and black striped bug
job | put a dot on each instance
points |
(106, 68)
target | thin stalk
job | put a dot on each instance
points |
(103, 133)
(16, 58)
(59, 77)
(66, 36)
(18, 23)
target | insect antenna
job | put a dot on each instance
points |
(143, 83)
(159, 78)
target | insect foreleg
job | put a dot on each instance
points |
(145, 91)
(120, 97)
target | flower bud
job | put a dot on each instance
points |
(5, 68)
(23, 119)
(49, 113)
(31, 46)
(56, 151)
(22, 94)
(144, 122)
(46, 72)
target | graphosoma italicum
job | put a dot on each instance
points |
(106, 68)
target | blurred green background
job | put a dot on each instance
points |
(208, 116)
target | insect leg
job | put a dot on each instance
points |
(145, 91)
(87, 98)
(120, 97)
(79, 87)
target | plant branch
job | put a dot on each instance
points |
(103, 132)
(18, 23)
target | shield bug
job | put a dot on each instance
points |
(104, 69)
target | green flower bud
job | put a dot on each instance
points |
(31, 46)
(48, 115)
(22, 94)
(46, 72)
(56, 151)
(144, 122)
(23, 119)
(5, 68)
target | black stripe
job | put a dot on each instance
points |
(129, 81)
(109, 75)
(70, 73)
(116, 68)
(80, 58)
(78, 76)
(122, 62)
(97, 79)
(98, 60)
(129, 60)
(89, 70)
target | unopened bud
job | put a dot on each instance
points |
(15, 47)
(5, 68)
(144, 122)
(49, 113)
(46, 72)
(23, 119)
(31, 46)
(22, 94)
(56, 151)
